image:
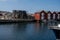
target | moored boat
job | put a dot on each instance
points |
(56, 30)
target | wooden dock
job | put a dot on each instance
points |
(16, 20)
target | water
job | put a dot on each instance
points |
(27, 31)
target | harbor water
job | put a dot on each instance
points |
(27, 31)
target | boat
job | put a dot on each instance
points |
(56, 30)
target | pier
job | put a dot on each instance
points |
(17, 20)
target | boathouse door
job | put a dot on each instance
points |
(49, 15)
(53, 16)
(58, 16)
(42, 16)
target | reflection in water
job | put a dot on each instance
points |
(53, 23)
(37, 27)
(27, 31)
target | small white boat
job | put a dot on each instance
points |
(55, 27)
(56, 30)
(58, 25)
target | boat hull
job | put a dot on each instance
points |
(57, 33)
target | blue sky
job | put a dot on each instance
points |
(30, 5)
